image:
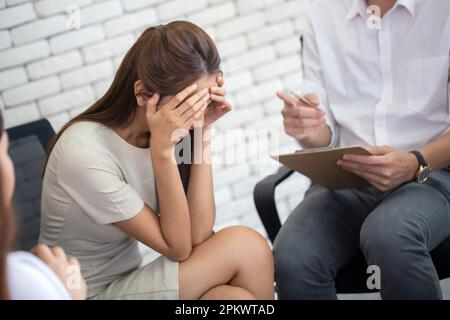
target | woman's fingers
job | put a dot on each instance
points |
(192, 111)
(228, 105)
(225, 108)
(152, 103)
(191, 102)
(217, 98)
(218, 91)
(180, 97)
(220, 80)
(195, 117)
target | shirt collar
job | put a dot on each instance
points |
(359, 7)
(410, 5)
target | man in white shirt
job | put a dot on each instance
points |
(378, 76)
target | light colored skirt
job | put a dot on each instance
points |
(157, 280)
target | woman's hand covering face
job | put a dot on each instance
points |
(219, 106)
(174, 119)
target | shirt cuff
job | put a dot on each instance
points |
(334, 141)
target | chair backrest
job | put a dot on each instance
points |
(27, 147)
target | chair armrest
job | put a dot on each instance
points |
(264, 197)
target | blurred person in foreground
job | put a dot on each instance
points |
(45, 275)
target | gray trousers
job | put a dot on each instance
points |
(395, 231)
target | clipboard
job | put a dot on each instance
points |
(320, 166)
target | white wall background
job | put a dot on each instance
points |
(48, 70)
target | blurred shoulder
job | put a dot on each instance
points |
(31, 279)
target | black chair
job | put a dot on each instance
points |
(351, 279)
(27, 147)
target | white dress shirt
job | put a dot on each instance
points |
(380, 86)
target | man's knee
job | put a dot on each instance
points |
(287, 265)
(299, 261)
(389, 231)
(302, 273)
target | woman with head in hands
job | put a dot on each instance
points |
(111, 181)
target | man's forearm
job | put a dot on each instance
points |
(437, 153)
(322, 138)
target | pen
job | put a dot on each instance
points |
(303, 99)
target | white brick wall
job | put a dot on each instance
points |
(22, 54)
(5, 40)
(39, 29)
(49, 71)
(10, 17)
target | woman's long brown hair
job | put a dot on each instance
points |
(5, 231)
(166, 59)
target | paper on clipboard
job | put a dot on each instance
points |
(320, 165)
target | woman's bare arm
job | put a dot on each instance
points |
(200, 194)
(170, 233)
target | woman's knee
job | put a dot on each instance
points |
(241, 294)
(243, 233)
(247, 243)
(228, 292)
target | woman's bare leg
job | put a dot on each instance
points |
(235, 256)
(227, 292)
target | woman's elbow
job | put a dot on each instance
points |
(200, 238)
(180, 254)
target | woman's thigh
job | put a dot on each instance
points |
(218, 260)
